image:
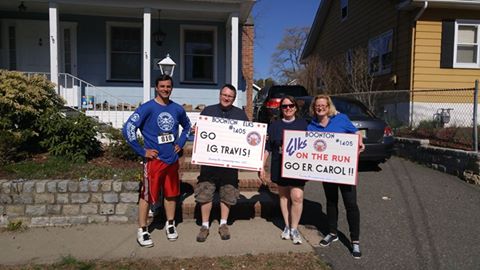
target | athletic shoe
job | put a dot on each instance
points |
(356, 251)
(286, 233)
(143, 238)
(203, 234)
(296, 238)
(223, 231)
(328, 240)
(171, 231)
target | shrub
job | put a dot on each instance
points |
(446, 134)
(73, 138)
(23, 100)
(118, 147)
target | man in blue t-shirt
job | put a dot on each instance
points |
(158, 121)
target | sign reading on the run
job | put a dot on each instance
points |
(320, 156)
(222, 142)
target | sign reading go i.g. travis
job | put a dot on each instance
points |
(229, 143)
(320, 156)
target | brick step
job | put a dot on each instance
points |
(186, 165)
(187, 149)
(247, 181)
(251, 204)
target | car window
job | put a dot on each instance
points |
(351, 108)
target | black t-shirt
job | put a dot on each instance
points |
(275, 142)
(209, 173)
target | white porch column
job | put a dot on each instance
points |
(147, 28)
(53, 26)
(233, 52)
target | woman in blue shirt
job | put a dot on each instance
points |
(327, 119)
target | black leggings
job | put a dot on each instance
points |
(349, 195)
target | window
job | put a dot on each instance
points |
(124, 52)
(343, 9)
(466, 45)
(380, 53)
(198, 46)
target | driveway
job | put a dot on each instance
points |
(412, 217)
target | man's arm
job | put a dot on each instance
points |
(186, 125)
(129, 132)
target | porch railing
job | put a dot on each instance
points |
(91, 100)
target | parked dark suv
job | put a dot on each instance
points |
(269, 108)
(377, 135)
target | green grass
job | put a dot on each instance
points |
(14, 226)
(59, 168)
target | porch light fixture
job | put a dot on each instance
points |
(159, 36)
(22, 7)
(167, 65)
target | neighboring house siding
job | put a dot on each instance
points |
(366, 19)
(427, 71)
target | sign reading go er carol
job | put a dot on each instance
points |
(229, 143)
(320, 156)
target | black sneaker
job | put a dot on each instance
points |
(356, 251)
(328, 240)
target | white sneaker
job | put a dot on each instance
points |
(286, 233)
(171, 231)
(296, 238)
(143, 238)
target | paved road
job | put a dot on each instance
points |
(412, 217)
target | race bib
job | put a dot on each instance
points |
(166, 138)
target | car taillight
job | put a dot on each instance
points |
(273, 103)
(387, 132)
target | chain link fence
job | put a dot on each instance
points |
(446, 117)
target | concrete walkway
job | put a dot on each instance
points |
(110, 242)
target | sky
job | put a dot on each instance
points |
(271, 18)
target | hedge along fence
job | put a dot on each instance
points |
(67, 202)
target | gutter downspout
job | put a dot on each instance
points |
(412, 59)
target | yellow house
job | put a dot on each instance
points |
(412, 46)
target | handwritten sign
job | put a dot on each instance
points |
(320, 156)
(222, 142)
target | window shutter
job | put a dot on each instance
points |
(447, 49)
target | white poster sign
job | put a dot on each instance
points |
(320, 156)
(222, 142)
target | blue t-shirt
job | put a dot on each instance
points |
(156, 122)
(275, 142)
(339, 123)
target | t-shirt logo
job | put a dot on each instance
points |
(135, 117)
(165, 121)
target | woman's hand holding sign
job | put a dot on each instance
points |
(361, 146)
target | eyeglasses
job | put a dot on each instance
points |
(284, 106)
(321, 106)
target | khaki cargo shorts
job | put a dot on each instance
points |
(205, 190)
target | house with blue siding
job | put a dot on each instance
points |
(104, 54)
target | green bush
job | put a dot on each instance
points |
(73, 138)
(23, 100)
(118, 147)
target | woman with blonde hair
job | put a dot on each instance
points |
(327, 119)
